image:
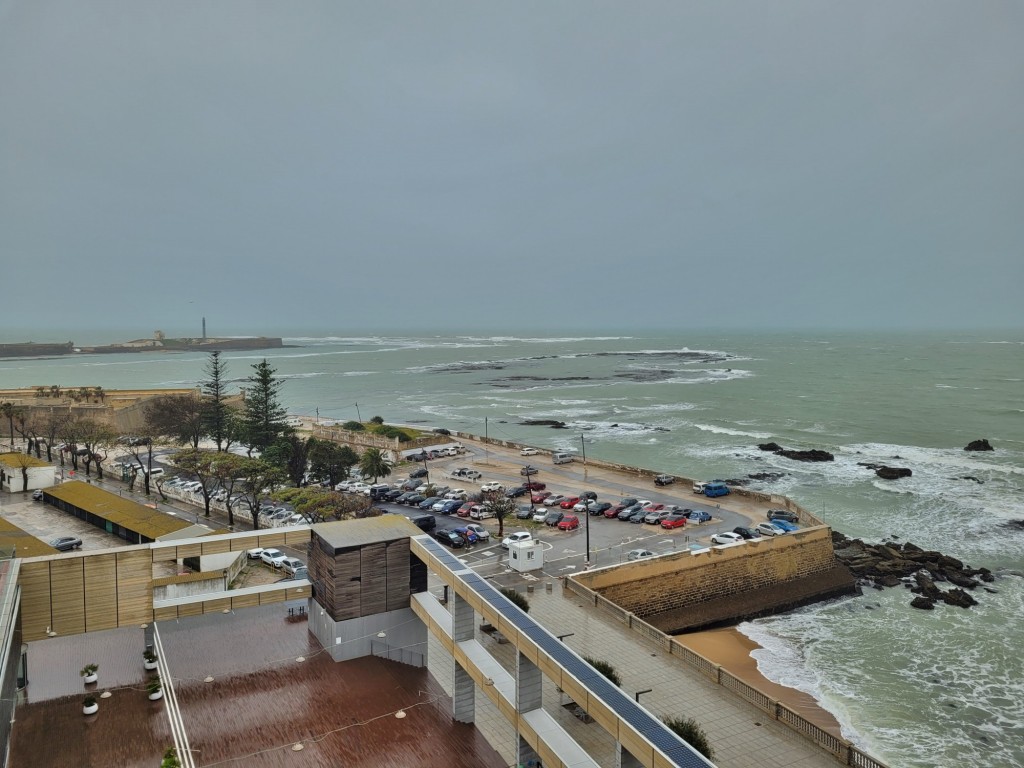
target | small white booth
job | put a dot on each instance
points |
(526, 555)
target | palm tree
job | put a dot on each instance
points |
(374, 462)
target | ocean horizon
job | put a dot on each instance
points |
(915, 688)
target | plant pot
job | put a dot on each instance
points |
(150, 664)
(156, 695)
(90, 709)
(89, 679)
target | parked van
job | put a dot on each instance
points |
(717, 488)
(562, 458)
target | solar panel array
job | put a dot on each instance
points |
(611, 695)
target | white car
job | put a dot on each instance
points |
(645, 503)
(492, 486)
(539, 514)
(291, 565)
(516, 538)
(273, 557)
(254, 554)
(457, 493)
(481, 533)
(727, 537)
(639, 554)
(528, 452)
(769, 529)
(481, 512)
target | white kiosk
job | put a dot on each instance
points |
(526, 555)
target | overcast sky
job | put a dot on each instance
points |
(473, 165)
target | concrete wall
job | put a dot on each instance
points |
(674, 581)
(405, 636)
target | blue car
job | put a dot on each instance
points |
(699, 516)
(451, 506)
(467, 534)
(786, 526)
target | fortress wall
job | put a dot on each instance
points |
(685, 579)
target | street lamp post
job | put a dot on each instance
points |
(583, 445)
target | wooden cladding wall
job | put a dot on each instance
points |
(362, 581)
(75, 593)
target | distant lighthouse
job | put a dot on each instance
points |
(204, 329)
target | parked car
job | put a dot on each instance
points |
(539, 514)
(405, 497)
(418, 472)
(516, 538)
(481, 512)
(664, 480)
(655, 517)
(629, 501)
(528, 470)
(717, 488)
(292, 565)
(254, 554)
(451, 506)
(769, 529)
(528, 452)
(37, 495)
(524, 512)
(599, 508)
(569, 523)
(726, 537)
(467, 535)
(746, 533)
(66, 543)
(785, 525)
(638, 516)
(393, 494)
(514, 493)
(554, 517)
(465, 509)
(491, 486)
(424, 522)
(273, 557)
(538, 497)
(588, 495)
(450, 538)
(639, 554)
(783, 514)
(554, 501)
(628, 512)
(429, 502)
(533, 485)
(471, 474)
(415, 499)
(481, 533)
(698, 516)
(569, 503)
(674, 520)
(457, 493)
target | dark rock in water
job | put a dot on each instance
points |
(893, 473)
(812, 455)
(773, 447)
(543, 423)
(766, 476)
(958, 597)
(978, 445)
(972, 477)
(1016, 524)
(740, 481)
(924, 603)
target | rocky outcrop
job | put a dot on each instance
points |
(890, 564)
(811, 455)
(893, 473)
(543, 423)
(978, 445)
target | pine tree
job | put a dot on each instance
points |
(216, 414)
(264, 420)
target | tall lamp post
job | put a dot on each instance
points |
(583, 445)
(529, 472)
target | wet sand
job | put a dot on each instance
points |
(731, 649)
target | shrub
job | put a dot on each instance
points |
(605, 669)
(516, 598)
(170, 759)
(690, 731)
(377, 420)
(353, 426)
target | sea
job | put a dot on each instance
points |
(914, 688)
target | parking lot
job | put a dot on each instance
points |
(46, 523)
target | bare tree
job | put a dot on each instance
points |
(258, 477)
(202, 465)
(95, 437)
(50, 426)
(229, 470)
(21, 461)
(179, 418)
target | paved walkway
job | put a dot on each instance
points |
(741, 735)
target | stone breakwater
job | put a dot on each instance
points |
(890, 564)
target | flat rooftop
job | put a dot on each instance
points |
(345, 534)
(262, 701)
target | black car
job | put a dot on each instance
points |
(783, 514)
(587, 495)
(746, 533)
(664, 480)
(66, 543)
(450, 538)
(429, 502)
(424, 522)
(628, 512)
(601, 508)
(419, 472)
(554, 517)
(524, 512)
(629, 501)
(404, 498)
(514, 493)
(638, 516)
(393, 494)
(415, 499)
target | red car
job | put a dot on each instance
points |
(655, 507)
(675, 520)
(570, 502)
(533, 485)
(539, 496)
(612, 512)
(463, 511)
(569, 523)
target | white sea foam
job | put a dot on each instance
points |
(728, 431)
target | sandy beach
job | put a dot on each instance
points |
(731, 649)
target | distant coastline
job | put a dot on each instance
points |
(156, 344)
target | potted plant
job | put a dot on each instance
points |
(170, 759)
(89, 673)
(149, 659)
(154, 689)
(89, 706)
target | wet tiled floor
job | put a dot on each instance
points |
(261, 702)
